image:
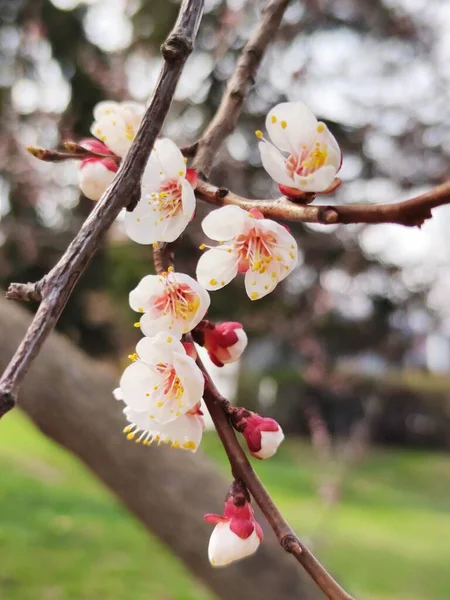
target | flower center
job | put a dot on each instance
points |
(173, 388)
(255, 250)
(178, 300)
(169, 198)
(308, 161)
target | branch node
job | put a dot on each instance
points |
(221, 193)
(176, 48)
(27, 292)
(327, 215)
(291, 544)
(7, 402)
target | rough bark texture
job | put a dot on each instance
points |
(69, 398)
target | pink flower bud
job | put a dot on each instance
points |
(237, 534)
(96, 174)
(262, 434)
(96, 146)
(225, 342)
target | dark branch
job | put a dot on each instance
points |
(61, 280)
(226, 117)
(411, 213)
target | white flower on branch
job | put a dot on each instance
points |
(171, 302)
(167, 202)
(163, 381)
(96, 174)
(262, 249)
(311, 156)
(116, 124)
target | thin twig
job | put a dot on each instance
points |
(226, 117)
(411, 213)
(61, 280)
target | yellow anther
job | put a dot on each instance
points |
(140, 310)
(254, 295)
(189, 445)
(170, 269)
(202, 246)
(273, 275)
(169, 340)
(147, 394)
(133, 357)
(256, 265)
(130, 436)
(181, 173)
(177, 414)
(138, 220)
(283, 124)
(137, 324)
(320, 127)
(274, 119)
(159, 404)
(292, 255)
(259, 134)
(175, 444)
(155, 244)
(127, 429)
(185, 160)
(156, 387)
(213, 281)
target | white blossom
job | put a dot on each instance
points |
(95, 175)
(171, 302)
(116, 124)
(163, 381)
(167, 202)
(262, 249)
(311, 156)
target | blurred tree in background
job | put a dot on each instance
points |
(366, 313)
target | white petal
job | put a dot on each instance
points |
(258, 285)
(159, 348)
(270, 441)
(300, 126)
(334, 151)
(287, 246)
(225, 223)
(316, 182)
(188, 199)
(173, 227)
(105, 108)
(149, 286)
(216, 268)
(94, 178)
(202, 295)
(111, 130)
(117, 393)
(151, 326)
(226, 547)
(191, 378)
(137, 385)
(146, 226)
(234, 352)
(274, 163)
(170, 160)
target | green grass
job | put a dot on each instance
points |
(63, 537)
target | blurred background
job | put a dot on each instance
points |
(351, 354)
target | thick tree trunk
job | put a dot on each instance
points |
(69, 398)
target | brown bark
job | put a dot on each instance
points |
(68, 396)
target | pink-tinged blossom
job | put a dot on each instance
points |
(167, 202)
(163, 382)
(262, 249)
(262, 434)
(225, 343)
(116, 124)
(303, 156)
(171, 302)
(236, 535)
(96, 173)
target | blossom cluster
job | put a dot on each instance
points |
(162, 388)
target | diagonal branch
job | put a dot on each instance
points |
(226, 117)
(242, 469)
(411, 213)
(61, 280)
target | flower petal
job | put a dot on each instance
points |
(226, 547)
(191, 378)
(217, 267)
(291, 125)
(225, 223)
(318, 181)
(149, 286)
(274, 163)
(137, 385)
(169, 158)
(94, 178)
(188, 199)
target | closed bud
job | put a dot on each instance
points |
(96, 174)
(262, 434)
(225, 343)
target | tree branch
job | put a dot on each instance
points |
(59, 283)
(226, 117)
(411, 213)
(242, 469)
